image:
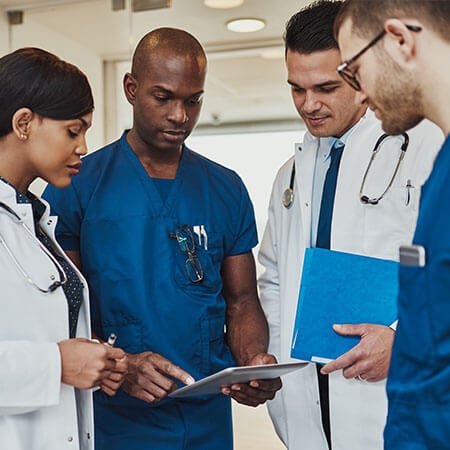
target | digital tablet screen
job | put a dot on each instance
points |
(226, 377)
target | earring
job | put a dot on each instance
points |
(23, 136)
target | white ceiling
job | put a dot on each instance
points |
(246, 76)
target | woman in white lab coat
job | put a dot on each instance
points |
(357, 408)
(46, 356)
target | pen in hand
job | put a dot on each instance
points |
(111, 339)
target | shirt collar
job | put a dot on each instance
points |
(37, 206)
(327, 143)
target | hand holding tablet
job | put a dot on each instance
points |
(213, 384)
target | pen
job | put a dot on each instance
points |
(111, 339)
(408, 190)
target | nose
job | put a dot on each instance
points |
(311, 103)
(178, 113)
(82, 147)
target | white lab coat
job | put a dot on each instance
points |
(357, 409)
(37, 411)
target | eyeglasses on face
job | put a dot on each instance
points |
(186, 243)
(62, 275)
(348, 75)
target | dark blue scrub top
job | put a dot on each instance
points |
(419, 378)
(113, 214)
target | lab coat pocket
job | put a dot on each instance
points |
(394, 216)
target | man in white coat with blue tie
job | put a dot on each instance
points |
(342, 405)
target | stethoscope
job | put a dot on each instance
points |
(16, 219)
(375, 200)
(288, 194)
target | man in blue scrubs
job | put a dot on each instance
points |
(398, 54)
(164, 237)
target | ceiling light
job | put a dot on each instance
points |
(223, 3)
(245, 25)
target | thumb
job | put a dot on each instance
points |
(349, 329)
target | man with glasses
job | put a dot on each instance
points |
(403, 75)
(165, 237)
(370, 210)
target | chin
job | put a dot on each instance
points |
(398, 127)
(61, 184)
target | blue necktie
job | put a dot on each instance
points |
(323, 241)
(327, 203)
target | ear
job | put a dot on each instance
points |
(21, 121)
(360, 97)
(400, 41)
(130, 86)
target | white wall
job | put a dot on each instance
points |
(4, 33)
(31, 34)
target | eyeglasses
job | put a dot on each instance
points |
(375, 200)
(348, 75)
(62, 275)
(186, 242)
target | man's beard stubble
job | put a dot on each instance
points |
(399, 99)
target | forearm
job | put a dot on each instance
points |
(247, 329)
(269, 288)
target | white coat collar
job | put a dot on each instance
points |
(8, 195)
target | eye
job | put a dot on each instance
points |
(297, 90)
(72, 133)
(196, 100)
(328, 90)
(161, 98)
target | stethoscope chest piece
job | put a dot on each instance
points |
(288, 197)
(288, 194)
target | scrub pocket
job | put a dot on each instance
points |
(414, 338)
(210, 257)
(129, 334)
(215, 354)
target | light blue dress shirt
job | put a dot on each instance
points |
(321, 165)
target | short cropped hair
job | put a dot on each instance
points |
(311, 29)
(34, 78)
(369, 21)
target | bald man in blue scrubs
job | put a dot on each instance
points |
(164, 237)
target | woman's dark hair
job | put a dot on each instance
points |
(36, 79)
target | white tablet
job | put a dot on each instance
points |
(226, 377)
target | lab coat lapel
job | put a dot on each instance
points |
(305, 157)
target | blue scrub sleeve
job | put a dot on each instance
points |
(245, 237)
(64, 203)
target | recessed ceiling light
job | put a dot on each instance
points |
(245, 25)
(223, 3)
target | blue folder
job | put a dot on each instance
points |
(341, 288)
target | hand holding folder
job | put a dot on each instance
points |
(341, 288)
